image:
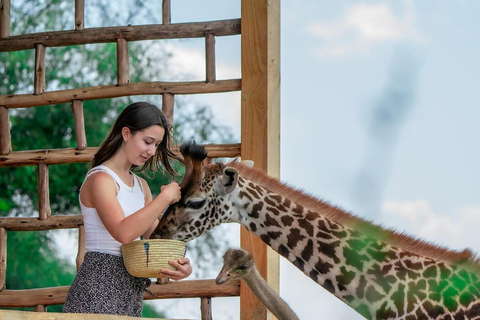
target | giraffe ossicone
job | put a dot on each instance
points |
(379, 273)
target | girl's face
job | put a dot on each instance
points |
(143, 144)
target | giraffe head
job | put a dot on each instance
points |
(204, 190)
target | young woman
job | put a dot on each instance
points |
(118, 208)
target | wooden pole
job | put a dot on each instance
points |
(168, 102)
(5, 137)
(39, 79)
(81, 246)
(80, 135)
(166, 12)
(3, 258)
(123, 64)
(206, 308)
(44, 210)
(5, 19)
(260, 137)
(210, 57)
(79, 14)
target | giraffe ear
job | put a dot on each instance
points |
(229, 179)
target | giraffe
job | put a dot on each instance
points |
(379, 273)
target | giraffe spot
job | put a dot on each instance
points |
(306, 225)
(324, 235)
(329, 286)
(364, 311)
(372, 295)
(362, 284)
(433, 311)
(253, 193)
(287, 220)
(323, 267)
(385, 312)
(242, 194)
(311, 216)
(273, 210)
(277, 198)
(284, 251)
(329, 249)
(287, 202)
(298, 209)
(354, 258)
(345, 277)
(274, 235)
(269, 221)
(398, 298)
(255, 212)
(294, 237)
(307, 252)
(265, 238)
(299, 263)
(253, 227)
(430, 272)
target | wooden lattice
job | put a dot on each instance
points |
(259, 28)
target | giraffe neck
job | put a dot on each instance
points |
(378, 280)
(268, 297)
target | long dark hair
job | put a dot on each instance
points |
(136, 117)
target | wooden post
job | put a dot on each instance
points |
(166, 12)
(168, 101)
(39, 79)
(79, 14)
(123, 64)
(5, 137)
(5, 19)
(80, 135)
(3, 258)
(44, 210)
(260, 137)
(81, 246)
(206, 308)
(40, 308)
(210, 57)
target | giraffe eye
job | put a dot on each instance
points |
(196, 204)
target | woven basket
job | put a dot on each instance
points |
(145, 258)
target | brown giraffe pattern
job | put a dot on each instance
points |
(379, 273)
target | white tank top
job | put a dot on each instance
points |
(131, 199)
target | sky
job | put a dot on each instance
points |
(380, 112)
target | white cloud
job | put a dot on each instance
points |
(361, 27)
(457, 230)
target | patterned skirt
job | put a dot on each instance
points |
(103, 285)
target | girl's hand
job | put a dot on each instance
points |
(183, 270)
(171, 191)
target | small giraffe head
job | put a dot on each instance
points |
(203, 188)
(236, 264)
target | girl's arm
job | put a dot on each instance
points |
(100, 192)
(148, 199)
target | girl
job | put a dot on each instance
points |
(118, 208)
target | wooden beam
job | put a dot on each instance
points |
(44, 210)
(5, 19)
(114, 91)
(79, 14)
(123, 63)
(39, 78)
(5, 137)
(260, 125)
(129, 33)
(166, 12)
(72, 155)
(210, 57)
(35, 224)
(171, 290)
(78, 116)
(3, 258)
